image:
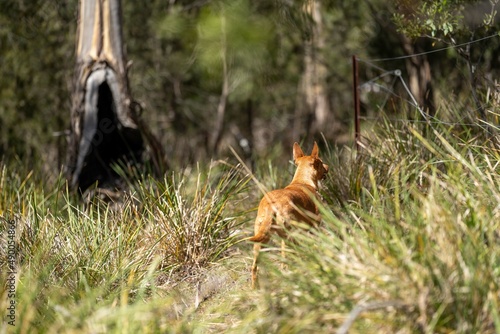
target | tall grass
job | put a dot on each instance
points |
(189, 221)
(409, 243)
(101, 267)
(416, 249)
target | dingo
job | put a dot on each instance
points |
(293, 203)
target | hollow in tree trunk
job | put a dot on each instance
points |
(106, 128)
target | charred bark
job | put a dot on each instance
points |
(106, 127)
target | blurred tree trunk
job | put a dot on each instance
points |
(314, 111)
(218, 129)
(419, 73)
(106, 128)
(417, 67)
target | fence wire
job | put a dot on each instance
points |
(397, 74)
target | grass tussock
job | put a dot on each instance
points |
(409, 243)
(189, 221)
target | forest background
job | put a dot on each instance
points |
(251, 74)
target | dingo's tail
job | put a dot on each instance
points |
(263, 233)
(260, 237)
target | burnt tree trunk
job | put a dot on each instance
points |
(106, 128)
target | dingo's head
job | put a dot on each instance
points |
(311, 165)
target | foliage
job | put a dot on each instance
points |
(431, 18)
(445, 19)
(229, 32)
(452, 22)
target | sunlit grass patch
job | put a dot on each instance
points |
(409, 243)
(98, 267)
(416, 251)
(189, 220)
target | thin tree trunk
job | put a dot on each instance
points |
(419, 73)
(221, 107)
(316, 107)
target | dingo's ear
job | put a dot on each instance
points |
(315, 151)
(297, 152)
